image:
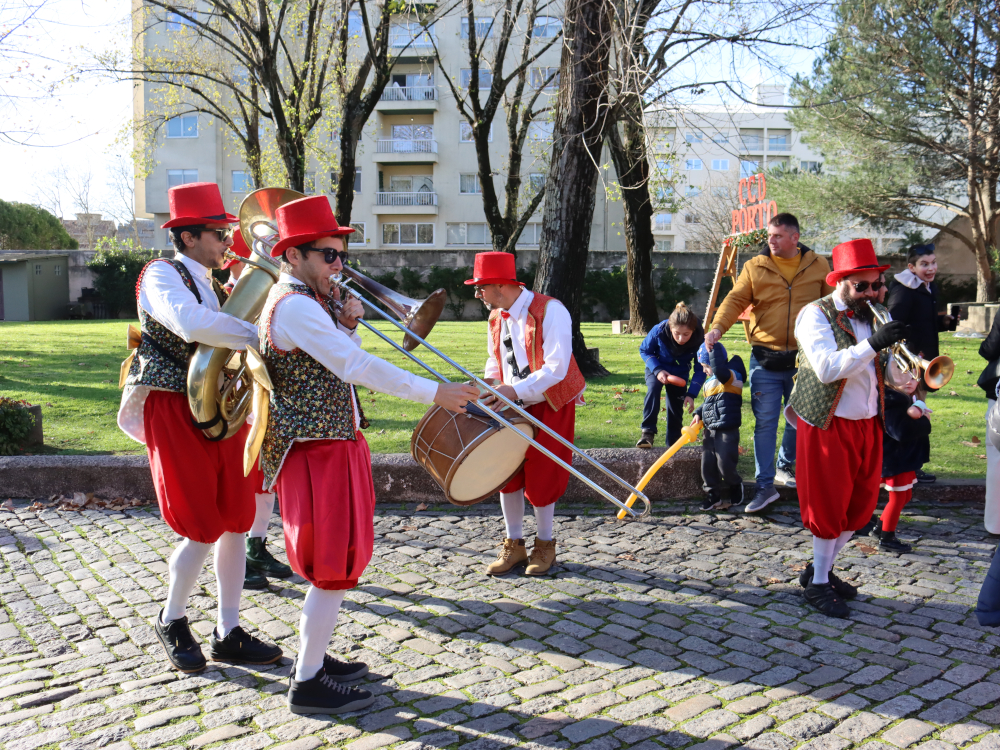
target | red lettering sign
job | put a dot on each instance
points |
(754, 211)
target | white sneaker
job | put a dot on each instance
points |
(785, 477)
(764, 497)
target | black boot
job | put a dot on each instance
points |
(324, 695)
(826, 600)
(254, 580)
(889, 543)
(182, 650)
(876, 531)
(240, 646)
(262, 561)
(843, 588)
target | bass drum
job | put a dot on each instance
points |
(470, 455)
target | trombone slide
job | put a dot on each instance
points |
(689, 434)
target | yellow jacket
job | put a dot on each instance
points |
(776, 303)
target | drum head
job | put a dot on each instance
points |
(489, 465)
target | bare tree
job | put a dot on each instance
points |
(121, 202)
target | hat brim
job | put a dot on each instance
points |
(481, 282)
(834, 276)
(304, 239)
(230, 263)
(190, 221)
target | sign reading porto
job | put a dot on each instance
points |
(754, 211)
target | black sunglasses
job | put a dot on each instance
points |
(223, 234)
(329, 254)
(862, 286)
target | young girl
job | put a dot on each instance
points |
(669, 352)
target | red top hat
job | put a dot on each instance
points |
(851, 257)
(197, 203)
(494, 268)
(239, 247)
(304, 220)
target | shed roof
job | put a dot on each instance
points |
(19, 257)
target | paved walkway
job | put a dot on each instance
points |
(686, 631)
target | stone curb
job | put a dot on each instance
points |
(398, 478)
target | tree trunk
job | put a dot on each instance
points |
(628, 152)
(345, 184)
(571, 191)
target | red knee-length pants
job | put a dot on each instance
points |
(199, 483)
(328, 510)
(838, 472)
(544, 481)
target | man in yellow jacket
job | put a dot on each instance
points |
(782, 279)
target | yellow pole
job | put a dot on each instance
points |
(688, 435)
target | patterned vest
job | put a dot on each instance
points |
(161, 361)
(308, 402)
(567, 389)
(816, 401)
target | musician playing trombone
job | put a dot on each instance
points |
(838, 402)
(313, 452)
(199, 483)
(531, 354)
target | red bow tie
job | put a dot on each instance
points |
(850, 313)
(504, 314)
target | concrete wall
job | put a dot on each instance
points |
(15, 291)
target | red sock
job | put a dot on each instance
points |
(897, 501)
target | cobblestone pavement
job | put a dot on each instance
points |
(685, 631)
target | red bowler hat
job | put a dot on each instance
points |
(304, 220)
(851, 257)
(239, 247)
(197, 203)
(494, 268)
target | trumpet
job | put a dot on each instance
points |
(935, 373)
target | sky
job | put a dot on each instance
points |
(78, 125)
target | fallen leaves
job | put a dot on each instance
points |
(422, 506)
(618, 395)
(80, 501)
(627, 556)
(8, 505)
(973, 443)
(866, 549)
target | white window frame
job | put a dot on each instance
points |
(464, 177)
(485, 78)
(746, 171)
(186, 176)
(539, 75)
(246, 181)
(693, 165)
(484, 27)
(183, 121)
(465, 133)
(462, 227)
(546, 27)
(357, 182)
(358, 237)
(720, 165)
(399, 233)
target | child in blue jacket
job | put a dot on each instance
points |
(722, 414)
(669, 352)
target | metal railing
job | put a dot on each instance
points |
(662, 226)
(405, 146)
(777, 144)
(399, 39)
(406, 199)
(409, 94)
(750, 142)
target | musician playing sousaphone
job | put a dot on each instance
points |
(531, 354)
(199, 483)
(313, 451)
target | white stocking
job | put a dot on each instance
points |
(265, 507)
(230, 570)
(824, 550)
(512, 505)
(544, 517)
(842, 541)
(186, 565)
(316, 626)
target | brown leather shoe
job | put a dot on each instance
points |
(513, 553)
(543, 557)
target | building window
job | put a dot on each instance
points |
(531, 235)
(484, 28)
(692, 219)
(809, 166)
(720, 165)
(309, 183)
(57, 269)
(467, 233)
(540, 78)
(176, 22)
(468, 184)
(242, 181)
(722, 138)
(692, 245)
(694, 137)
(692, 191)
(720, 192)
(465, 78)
(38, 269)
(546, 27)
(184, 126)
(693, 165)
(665, 168)
(357, 179)
(465, 133)
(358, 238)
(407, 234)
(663, 222)
(177, 177)
(664, 246)
(748, 168)
(355, 26)
(536, 181)
(777, 142)
(541, 131)
(664, 192)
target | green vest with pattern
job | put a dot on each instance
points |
(308, 401)
(816, 401)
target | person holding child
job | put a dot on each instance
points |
(669, 351)
(721, 414)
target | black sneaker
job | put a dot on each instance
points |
(182, 650)
(736, 494)
(826, 600)
(876, 532)
(260, 559)
(341, 671)
(324, 695)
(646, 441)
(845, 589)
(924, 478)
(240, 646)
(712, 501)
(889, 543)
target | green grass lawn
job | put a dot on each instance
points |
(71, 368)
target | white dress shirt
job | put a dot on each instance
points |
(164, 295)
(299, 322)
(856, 364)
(557, 349)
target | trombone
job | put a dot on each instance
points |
(348, 274)
(936, 373)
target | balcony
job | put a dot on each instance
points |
(408, 100)
(419, 45)
(405, 203)
(405, 151)
(778, 144)
(750, 143)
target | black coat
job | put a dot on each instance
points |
(906, 445)
(918, 309)
(722, 410)
(990, 350)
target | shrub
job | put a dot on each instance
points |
(412, 283)
(26, 227)
(15, 425)
(671, 289)
(116, 268)
(608, 288)
(452, 280)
